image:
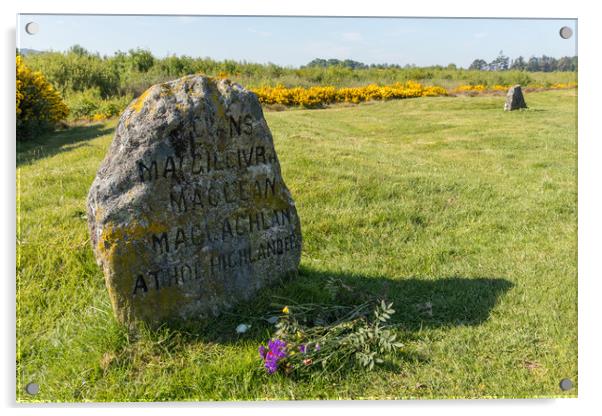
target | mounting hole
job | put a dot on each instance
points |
(32, 388)
(566, 32)
(566, 384)
(32, 28)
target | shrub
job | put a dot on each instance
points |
(78, 70)
(84, 104)
(39, 106)
(90, 105)
(142, 60)
(519, 77)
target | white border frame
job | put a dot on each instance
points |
(589, 165)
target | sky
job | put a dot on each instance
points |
(294, 41)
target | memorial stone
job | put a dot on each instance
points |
(189, 213)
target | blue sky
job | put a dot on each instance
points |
(294, 41)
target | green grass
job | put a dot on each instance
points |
(444, 200)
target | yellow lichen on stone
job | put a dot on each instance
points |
(121, 257)
(112, 234)
(139, 103)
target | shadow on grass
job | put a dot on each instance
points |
(50, 144)
(418, 302)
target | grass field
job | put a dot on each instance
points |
(463, 215)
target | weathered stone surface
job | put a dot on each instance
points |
(515, 99)
(189, 213)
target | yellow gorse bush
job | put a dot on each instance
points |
(318, 96)
(38, 105)
(465, 88)
(562, 86)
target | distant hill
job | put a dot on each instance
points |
(27, 51)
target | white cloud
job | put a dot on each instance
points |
(480, 35)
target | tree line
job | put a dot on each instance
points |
(500, 63)
(533, 64)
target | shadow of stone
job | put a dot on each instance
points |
(418, 302)
(50, 144)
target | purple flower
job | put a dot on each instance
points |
(271, 366)
(278, 348)
(303, 348)
(275, 352)
(317, 347)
